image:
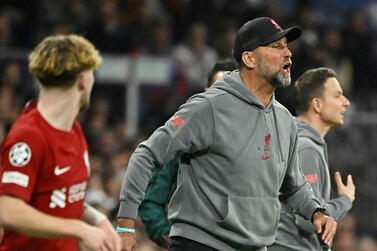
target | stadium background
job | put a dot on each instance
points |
(157, 53)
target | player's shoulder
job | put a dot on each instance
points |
(23, 141)
(27, 123)
(25, 129)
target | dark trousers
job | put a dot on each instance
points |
(183, 244)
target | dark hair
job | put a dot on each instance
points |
(310, 85)
(227, 64)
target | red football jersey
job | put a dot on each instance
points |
(48, 169)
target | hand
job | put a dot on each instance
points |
(324, 225)
(112, 236)
(93, 239)
(348, 190)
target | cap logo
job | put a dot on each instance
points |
(275, 24)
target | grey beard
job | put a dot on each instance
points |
(280, 81)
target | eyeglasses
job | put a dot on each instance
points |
(278, 46)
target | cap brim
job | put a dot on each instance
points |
(291, 34)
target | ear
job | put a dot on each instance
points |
(317, 105)
(81, 81)
(248, 59)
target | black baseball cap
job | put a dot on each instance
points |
(261, 31)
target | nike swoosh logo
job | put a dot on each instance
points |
(59, 171)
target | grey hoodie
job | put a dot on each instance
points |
(294, 232)
(236, 156)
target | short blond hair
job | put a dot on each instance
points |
(58, 60)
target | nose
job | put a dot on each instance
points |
(347, 103)
(287, 52)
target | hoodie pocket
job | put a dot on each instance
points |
(252, 218)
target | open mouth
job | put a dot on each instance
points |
(287, 67)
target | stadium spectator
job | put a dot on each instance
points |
(195, 56)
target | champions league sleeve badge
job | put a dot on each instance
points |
(19, 154)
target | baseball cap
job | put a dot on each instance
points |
(261, 31)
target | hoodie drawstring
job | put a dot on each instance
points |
(277, 134)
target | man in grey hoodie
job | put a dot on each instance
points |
(321, 106)
(238, 152)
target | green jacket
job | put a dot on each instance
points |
(152, 210)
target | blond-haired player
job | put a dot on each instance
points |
(44, 164)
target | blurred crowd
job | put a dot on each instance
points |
(339, 34)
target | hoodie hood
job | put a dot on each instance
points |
(233, 84)
(305, 130)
